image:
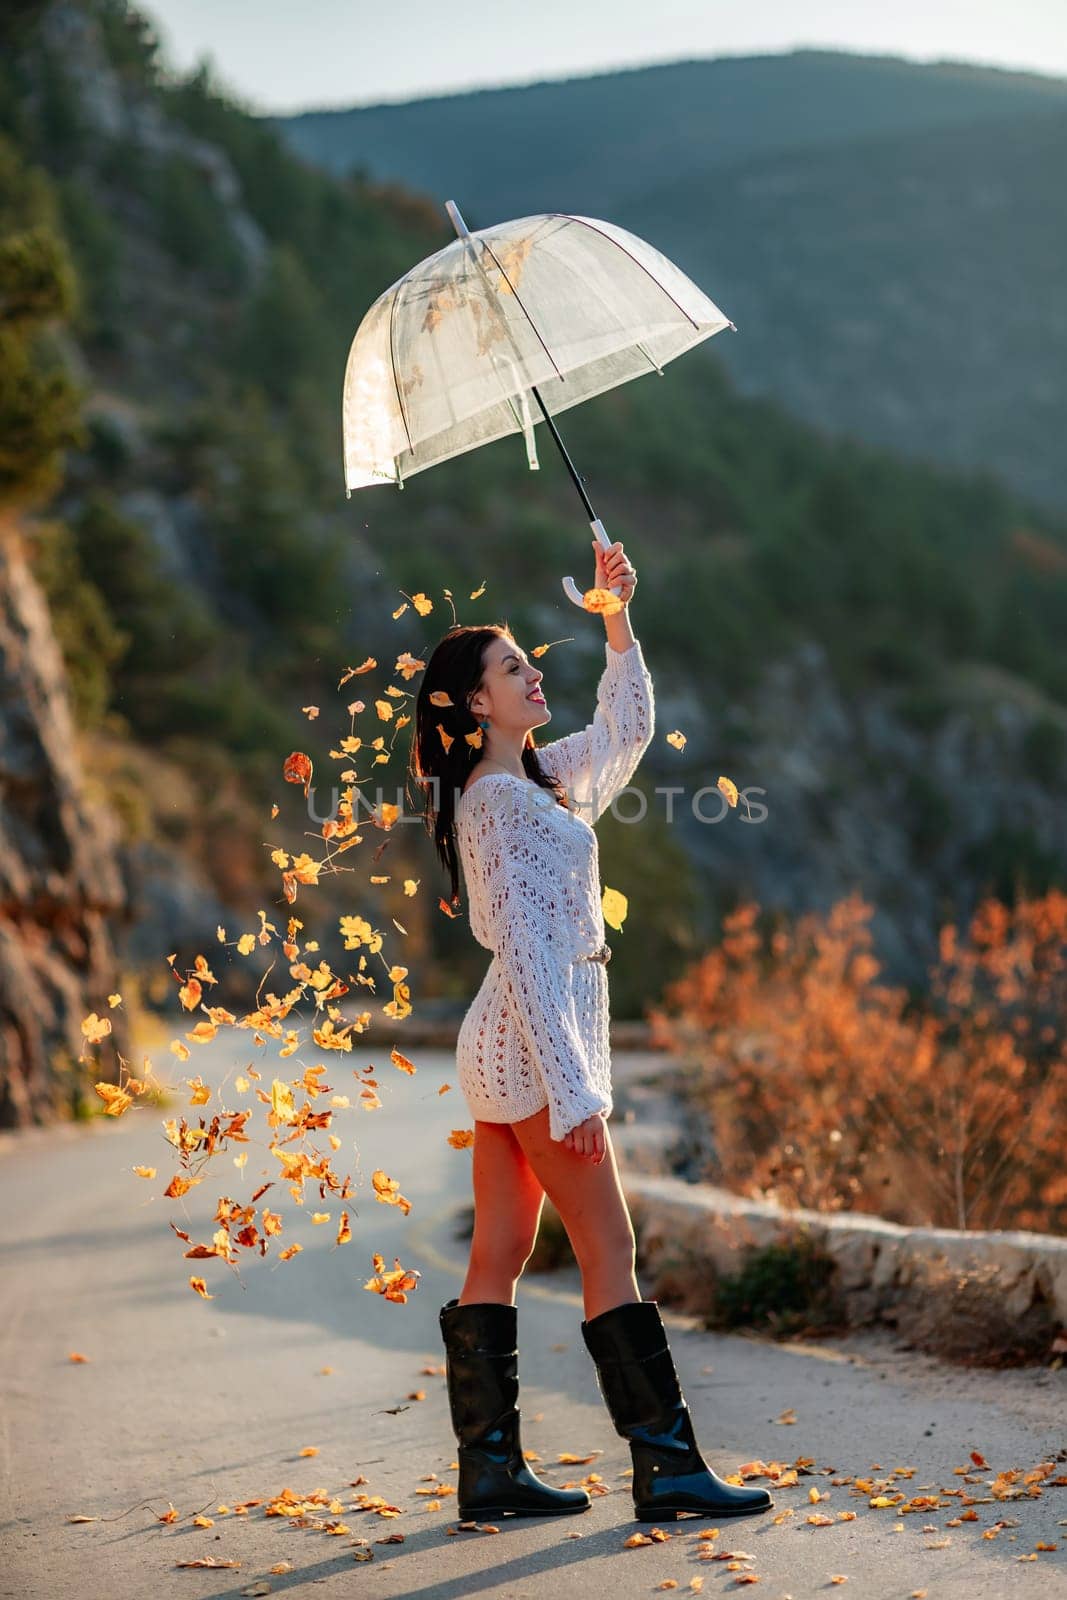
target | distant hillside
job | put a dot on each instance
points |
(889, 238)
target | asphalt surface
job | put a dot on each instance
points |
(197, 1405)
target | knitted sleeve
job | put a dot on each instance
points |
(519, 858)
(596, 764)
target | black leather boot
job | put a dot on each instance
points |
(637, 1377)
(483, 1389)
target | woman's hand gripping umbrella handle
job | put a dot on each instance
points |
(570, 588)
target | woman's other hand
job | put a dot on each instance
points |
(614, 570)
(588, 1139)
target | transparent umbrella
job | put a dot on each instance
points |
(504, 328)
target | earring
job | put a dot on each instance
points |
(484, 724)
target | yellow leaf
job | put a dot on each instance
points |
(614, 906)
(116, 1100)
(601, 602)
(96, 1028)
(281, 1101)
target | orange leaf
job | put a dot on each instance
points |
(298, 769)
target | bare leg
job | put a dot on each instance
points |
(592, 1206)
(507, 1213)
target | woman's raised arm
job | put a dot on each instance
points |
(596, 764)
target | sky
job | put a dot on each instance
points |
(280, 56)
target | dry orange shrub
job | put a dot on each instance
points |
(824, 1088)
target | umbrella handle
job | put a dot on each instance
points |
(570, 588)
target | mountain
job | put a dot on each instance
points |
(889, 238)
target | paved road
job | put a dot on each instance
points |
(197, 1405)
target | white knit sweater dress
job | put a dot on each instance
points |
(536, 1032)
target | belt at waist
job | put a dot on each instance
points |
(603, 955)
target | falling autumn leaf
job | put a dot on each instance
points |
(116, 1100)
(602, 603)
(387, 1190)
(394, 1284)
(614, 906)
(298, 769)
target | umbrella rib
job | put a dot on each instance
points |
(396, 380)
(632, 257)
(561, 376)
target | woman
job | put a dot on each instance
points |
(533, 1060)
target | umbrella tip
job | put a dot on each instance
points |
(456, 219)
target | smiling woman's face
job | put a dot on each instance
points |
(509, 678)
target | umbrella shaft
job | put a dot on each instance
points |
(554, 431)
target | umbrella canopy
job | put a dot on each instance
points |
(446, 358)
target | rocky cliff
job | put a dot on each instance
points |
(61, 890)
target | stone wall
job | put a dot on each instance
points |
(880, 1264)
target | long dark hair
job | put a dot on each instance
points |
(439, 747)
